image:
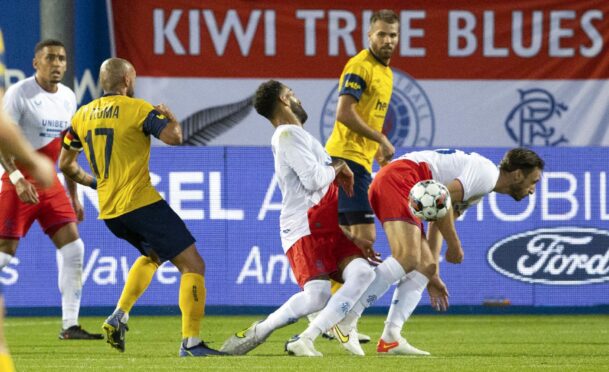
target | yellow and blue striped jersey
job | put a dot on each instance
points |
(2, 65)
(114, 131)
(370, 82)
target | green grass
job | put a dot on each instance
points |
(457, 343)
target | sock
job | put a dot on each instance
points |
(387, 273)
(6, 363)
(69, 279)
(335, 286)
(5, 259)
(139, 277)
(312, 298)
(357, 276)
(192, 306)
(405, 299)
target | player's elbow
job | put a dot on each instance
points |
(66, 165)
(172, 135)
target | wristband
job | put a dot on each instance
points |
(93, 184)
(15, 176)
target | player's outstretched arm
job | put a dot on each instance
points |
(70, 168)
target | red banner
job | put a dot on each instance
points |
(474, 39)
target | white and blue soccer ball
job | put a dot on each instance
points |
(429, 200)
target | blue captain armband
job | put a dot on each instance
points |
(154, 123)
(353, 85)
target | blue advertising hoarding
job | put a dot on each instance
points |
(551, 249)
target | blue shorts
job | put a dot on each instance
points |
(154, 227)
(356, 209)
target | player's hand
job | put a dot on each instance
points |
(42, 170)
(78, 209)
(165, 111)
(344, 179)
(367, 250)
(438, 293)
(26, 191)
(386, 150)
(380, 159)
(454, 253)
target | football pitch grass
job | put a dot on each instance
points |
(457, 343)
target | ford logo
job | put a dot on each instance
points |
(557, 256)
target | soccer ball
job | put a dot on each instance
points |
(429, 200)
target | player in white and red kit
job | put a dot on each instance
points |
(43, 108)
(414, 258)
(315, 245)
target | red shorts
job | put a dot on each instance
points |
(53, 211)
(389, 190)
(320, 252)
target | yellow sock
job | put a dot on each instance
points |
(6, 363)
(138, 279)
(192, 303)
(335, 286)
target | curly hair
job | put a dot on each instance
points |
(265, 99)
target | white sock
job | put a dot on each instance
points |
(69, 264)
(387, 273)
(406, 297)
(357, 276)
(5, 258)
(312, 298)
(312, 316)
(191, 341)
(124, 315)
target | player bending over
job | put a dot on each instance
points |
(414, 259)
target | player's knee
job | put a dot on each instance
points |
(9, 246)
(190, 261)
(428, 270)
(408, 260)
(318, 294)
(359, 272)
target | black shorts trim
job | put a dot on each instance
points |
(355, 218)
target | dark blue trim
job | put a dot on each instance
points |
(265, 310)
(154, 123)
(353, 79)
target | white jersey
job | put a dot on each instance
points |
(41, 115)
(304, 174)
(477, 174)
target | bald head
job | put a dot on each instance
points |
(117, 75)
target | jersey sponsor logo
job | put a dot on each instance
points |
(554, 256)
(529, 122)
(353, 85)
(409, 120)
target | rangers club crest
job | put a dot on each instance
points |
(409, 122)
